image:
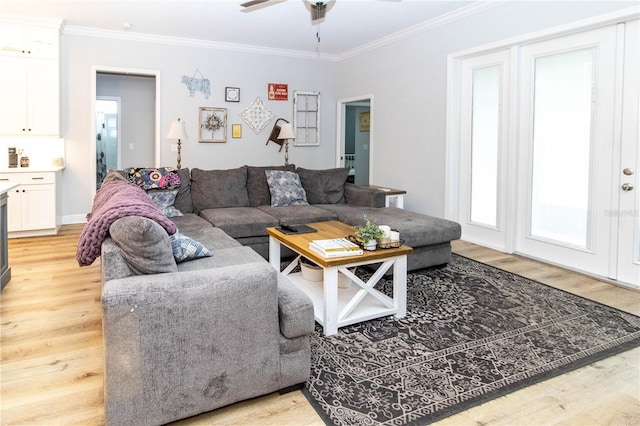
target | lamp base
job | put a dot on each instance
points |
(179, 157)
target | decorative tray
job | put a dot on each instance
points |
(392, 244)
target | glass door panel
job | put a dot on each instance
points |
(485, 136)
(562, 139)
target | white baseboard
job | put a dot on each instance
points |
(74, 218)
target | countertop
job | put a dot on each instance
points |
(6, 187)
(34, 169)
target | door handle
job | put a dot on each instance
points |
(627, 187)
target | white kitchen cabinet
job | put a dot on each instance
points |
(29, 77)
(30, 93)
(33, 207)
(40, 39)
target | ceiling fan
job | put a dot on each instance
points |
(318, 8)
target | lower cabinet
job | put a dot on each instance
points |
(33, 207)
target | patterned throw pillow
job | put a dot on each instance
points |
(160, 178)
(164, 200)
(185, 248)
(285, 188)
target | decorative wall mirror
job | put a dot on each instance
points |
(306, 118)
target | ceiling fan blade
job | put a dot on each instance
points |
(253, 3)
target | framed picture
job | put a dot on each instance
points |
(365, 121)
(232, 94)
(236, 130)
(212, 124)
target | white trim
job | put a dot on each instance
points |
(430, 24)
(189, 42)
(615, 17)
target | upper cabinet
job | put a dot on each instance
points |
(23, 39)
(29, 78)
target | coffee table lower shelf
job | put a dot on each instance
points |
(347, 314)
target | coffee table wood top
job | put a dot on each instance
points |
(329, 230)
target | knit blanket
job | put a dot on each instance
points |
(114, 200)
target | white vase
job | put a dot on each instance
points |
(371, 245)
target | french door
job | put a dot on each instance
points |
(550, 171)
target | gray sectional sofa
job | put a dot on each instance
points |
(182, 338)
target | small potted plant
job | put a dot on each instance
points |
(369, 233)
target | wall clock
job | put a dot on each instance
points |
(232, 94)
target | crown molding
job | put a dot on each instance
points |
(188, 42)
(32, 21)
(436, 22)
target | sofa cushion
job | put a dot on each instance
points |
(215, 239)
(189, 221)
(232, 256)
(295, 215)
(211, 189)
(240, 221)
(153, 178)
(257, 186)
(165, 200)
(324, 186)
(145, 245)
(186, 248)
(285, 188)
(183, 198)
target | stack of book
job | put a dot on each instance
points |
(337, 247)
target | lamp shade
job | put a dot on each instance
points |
(178, 130)
(286, 132)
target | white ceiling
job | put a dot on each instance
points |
(348, 25)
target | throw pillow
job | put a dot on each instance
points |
(211, 189)
(160, 178)
(185, 248)
(165, 200)
(145, 245)
(324, 186)
(257, 186)
(183, 199)
(285, 189)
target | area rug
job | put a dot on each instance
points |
(472, 333)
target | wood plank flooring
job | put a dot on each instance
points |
(51, 352)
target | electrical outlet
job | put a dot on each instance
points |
(174, 147)
(131, 147)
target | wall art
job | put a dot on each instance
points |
(257, 115)
(201, 84)
(212, 124)
(232, 94)
(236, 130)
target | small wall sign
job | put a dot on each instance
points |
(278, 92)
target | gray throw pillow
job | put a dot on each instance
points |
(164, 200)
(285, 189)
(324, 186)
(211, 189)
(257, 186)
(145, 245)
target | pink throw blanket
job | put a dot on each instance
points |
(114, 200)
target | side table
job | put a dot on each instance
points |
(393, 197)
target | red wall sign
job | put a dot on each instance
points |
(278, 92)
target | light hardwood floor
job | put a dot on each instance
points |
(51, 352)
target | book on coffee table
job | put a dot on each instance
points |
(335, 247)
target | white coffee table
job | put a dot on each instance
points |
(337, 307)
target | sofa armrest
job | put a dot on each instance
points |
(363, 196)
(178, 344)
(295, 310)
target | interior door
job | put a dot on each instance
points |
(627, 259)
(567, 145)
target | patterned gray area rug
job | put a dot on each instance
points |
(472, 333)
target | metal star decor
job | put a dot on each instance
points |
(257, 115)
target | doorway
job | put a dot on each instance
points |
(355, 137)
(126, 103)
